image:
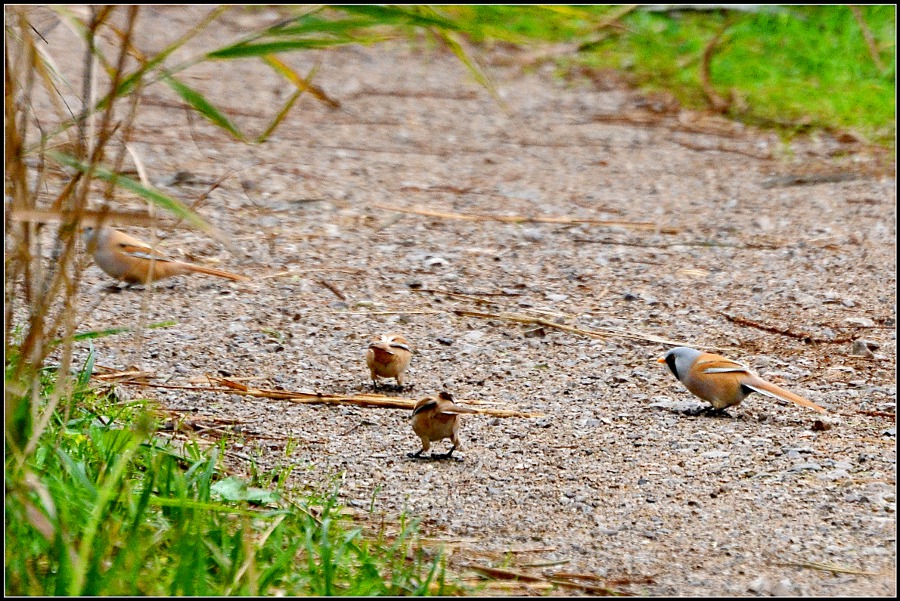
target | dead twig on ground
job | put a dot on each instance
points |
(874, 413)
(642, 225)
(333, 289)
(121, 376)
(372, 401)
(88, 217)
(504, 574)
(468, 297)
(203, 196)
(439, 189)
(440, 94)
(634, 117)
(301, 271)
(808, 178)
(395, 312)
(830, 567)
(804, 336)
(607, 333)
(701, 244)
(720, 146)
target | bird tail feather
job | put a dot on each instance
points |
(218, 273)
(772, 390)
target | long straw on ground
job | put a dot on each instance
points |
(372, 401)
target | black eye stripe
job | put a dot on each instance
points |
(670, 361)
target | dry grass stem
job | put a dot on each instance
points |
(394, 312)
(316, 270)
(608, 333)
(805, 336)
(716, 102)
(615, 16)
(504, 574)
(870, 39)
(640, 225)
(372, 401)
(719, 146)
(467, 297)
(831, 567)
(88, 217)
(333, 289)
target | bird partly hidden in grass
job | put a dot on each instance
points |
(135, 262)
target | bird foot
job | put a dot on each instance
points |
(709, 411)
(445, 456)
(388, 387)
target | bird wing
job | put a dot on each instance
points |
(425, 404)
(721, 365)
(141, 251)
(725, 370)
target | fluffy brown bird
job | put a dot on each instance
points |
(388, 357)
(436, 418)
(723, 382)
(135, 262)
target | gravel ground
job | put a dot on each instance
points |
(781, 256)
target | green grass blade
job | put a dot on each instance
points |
(84, 376)
(130, 82)
(152, 195)
(243, 50)
(279, 117)
(302, 83)
(86, 546)
(310, 24)
(396, 15)
(479, 75)
(94, 334)
(203, 106)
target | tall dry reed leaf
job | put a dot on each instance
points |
(276, 121)
(108, 126)
(41, 291)
(303, 83)
(31, 283)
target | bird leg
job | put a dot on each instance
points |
(447, 455)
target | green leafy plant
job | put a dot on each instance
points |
(106, 507)
(794, 68)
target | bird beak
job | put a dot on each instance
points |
(661, 360)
